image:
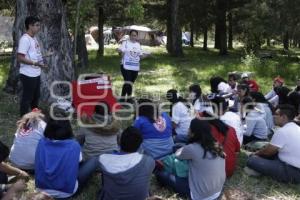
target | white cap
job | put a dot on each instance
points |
(244, 75)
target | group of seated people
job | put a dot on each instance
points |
(191, 149)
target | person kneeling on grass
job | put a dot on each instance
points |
(206, 165)
(57, 169)
(126, 174)
(281, 158)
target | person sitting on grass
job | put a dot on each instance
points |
(253, 86)
(156, 129)
(29, 132)
(265, 106)
(57, 169)
(243, 91)
(271, 96)
(206, 161)
(219, 86)
(181, 116)
(230, 118)
(256, 127)
(224, 134)
(8, 191)
(100, 135)
(232, 82)
(280, 159)
(126, 174)
(199, 101)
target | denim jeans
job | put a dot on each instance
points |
(275, 168)
(178, 184)
(86, 169)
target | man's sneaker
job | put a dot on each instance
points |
(251, 172)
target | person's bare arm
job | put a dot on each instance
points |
(10, 170)
(22, 59)
(269, 151)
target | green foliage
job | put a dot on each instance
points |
(135, 10)
(251, 60)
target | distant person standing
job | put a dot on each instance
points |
(130, 64)
(31, 61)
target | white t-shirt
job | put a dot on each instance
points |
(22, 153)
(224, 88)
(131, 55)
(287, 139)
(201, 106)
(30, 47)
(182, 117)
(232, 119)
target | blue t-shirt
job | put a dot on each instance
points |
(162, 128)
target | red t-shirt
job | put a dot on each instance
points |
(230, 147)
(253, 85)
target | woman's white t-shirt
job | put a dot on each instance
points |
(181, 117)
(131, 55)
(30, 47)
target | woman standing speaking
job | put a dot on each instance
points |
(131, 52)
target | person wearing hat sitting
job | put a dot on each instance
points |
(271, 96)
(252, 83)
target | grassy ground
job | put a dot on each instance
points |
(161, 72)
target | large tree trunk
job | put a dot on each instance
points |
(100, 52)
(81, 50)
(53, 35)
(217, 36)
(174, 34)
(268, 42)
(205, 31)
(192, 34)
(230, 31)
(221, 26)
(286, 40)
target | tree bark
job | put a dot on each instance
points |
(286, 40)
(81, 50)
(268, 42)
(53, 35)
(192, 34)
(221, 25)
(217, 36)
(174, 34)
(205, 31)
(100, 51)
(230, 31)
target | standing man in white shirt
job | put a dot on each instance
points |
(281, 158)
(31, 61)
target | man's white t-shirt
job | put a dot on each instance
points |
(131, 55)
(224, 88)
(287, 139)
(181, 117)
(30, 47)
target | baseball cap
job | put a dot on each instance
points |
(244, 75)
